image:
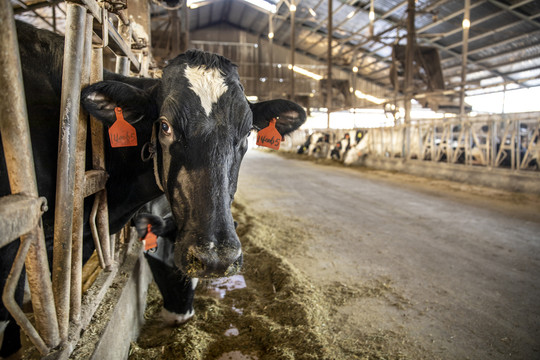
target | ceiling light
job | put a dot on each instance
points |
(371, 15)
(312, 12)
(292, 8)
(270, 35)
(466, 24)
(369, 98)
(355, 69)
(305, 72)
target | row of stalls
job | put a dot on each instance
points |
(509, 141)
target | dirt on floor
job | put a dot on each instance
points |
(362, 264)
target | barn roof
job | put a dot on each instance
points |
(503, 46)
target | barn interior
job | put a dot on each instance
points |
(410, 70)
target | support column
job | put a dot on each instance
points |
(409, 58)
(329, 63)
(292, 9)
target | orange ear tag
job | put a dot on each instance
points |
(269, 136)
(150, 239)
(121, 133)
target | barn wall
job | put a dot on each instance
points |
(255, 65)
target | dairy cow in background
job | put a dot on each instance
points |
(200, 118)
(317, 144)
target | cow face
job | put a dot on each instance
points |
(202, 121)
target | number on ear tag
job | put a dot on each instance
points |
(269, 136)
(150, 239)
(122, 133)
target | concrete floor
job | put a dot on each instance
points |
(465, 258)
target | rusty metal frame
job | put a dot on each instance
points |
(20, 165)
(72, 312)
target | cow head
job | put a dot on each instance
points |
(202, 121)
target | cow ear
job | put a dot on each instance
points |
(100, 99)
(290, 116)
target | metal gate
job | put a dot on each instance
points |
(57, 299)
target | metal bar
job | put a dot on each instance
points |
(122, 65)
(17, 10)
(36, 14)
(466, 25)
(101, 229)
(19, 214)
(271, 55)
(65, 178)
(409, 57)
(293, 50)
(20, 167)
(94, 8)
(511, 10)
(79, 188)
(329, 63)
(12, 306)
(94, 181)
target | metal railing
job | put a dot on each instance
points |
(496, 140)
(510, 141)
(57, 299)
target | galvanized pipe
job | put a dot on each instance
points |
(20, 166)
(329, 63)
(464, 54)
(122, 65)
(65, 179)
(79, 190)
(100, 224)
(271, 55)
(293, 50)
(409, 58)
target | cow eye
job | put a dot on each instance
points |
(166, 127)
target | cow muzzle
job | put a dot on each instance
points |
(210, 259)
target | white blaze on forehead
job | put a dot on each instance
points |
(208, 84)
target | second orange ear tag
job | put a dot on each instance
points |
(121, 133)
(150, 240)
(269, 136)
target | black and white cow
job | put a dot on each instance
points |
(201, 120)
(317, 144)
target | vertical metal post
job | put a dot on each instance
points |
(78, 202)
(65, 178)
(409, 57)
(465, 48)
(329, 63)
(22, 178)
(271, 54)
(122, 65)
(293, 46)
(102, 237)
